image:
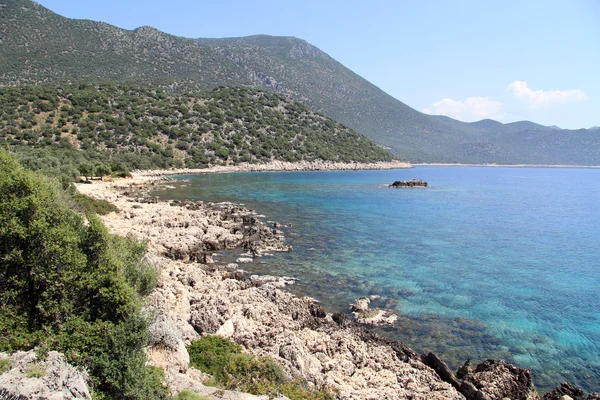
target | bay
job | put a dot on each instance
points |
(487, 262)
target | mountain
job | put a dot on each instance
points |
(45, 47)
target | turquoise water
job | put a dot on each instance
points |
(501, 262)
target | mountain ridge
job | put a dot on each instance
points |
(288, 65)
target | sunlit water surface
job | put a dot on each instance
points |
(487, 262)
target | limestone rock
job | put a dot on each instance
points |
(567, 391)
(498, 379)
(361, 304)
(55, 379)
(491, 379)
(192, 381)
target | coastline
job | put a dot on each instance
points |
(275, 166)
(504, 165)
(196, 297)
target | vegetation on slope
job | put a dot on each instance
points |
(122, 127)
(232, 369)
(41, 46)
(72, 287)
(291, 65)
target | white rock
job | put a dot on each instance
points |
(60, 381)
(226, 330)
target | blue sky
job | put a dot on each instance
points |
(506, 60)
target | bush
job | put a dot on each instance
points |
(119, 364)
(5, 365)
(257, 375)
(211, 354)
(87, 205)
(162, 333)
(71, 287)
(232, 369)
(35, 370)
(187, 394)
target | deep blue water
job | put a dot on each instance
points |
(501, 262)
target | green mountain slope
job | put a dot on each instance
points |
(193, 129)
(43, 46)
(292, 65)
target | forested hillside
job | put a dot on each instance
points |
(139, 126)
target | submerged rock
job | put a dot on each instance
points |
(361, 304)
(365, 315)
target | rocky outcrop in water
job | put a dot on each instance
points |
(498, 379)
(366, 315)
(409, 184)
(490, 380)
(52, 378)
(567, 391)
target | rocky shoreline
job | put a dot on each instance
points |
(279, 166)
(334, 351)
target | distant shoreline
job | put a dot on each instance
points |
(505, 165)
(276, 166)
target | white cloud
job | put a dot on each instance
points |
(472, 109)
(543, 98)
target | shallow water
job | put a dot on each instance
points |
(501, 262)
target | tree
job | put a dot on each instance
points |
(72, 287)
(86, 169)
(102, 169)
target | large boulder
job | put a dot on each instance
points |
(566, 391)
(498, 379)
(490, 380)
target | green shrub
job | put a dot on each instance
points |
(72, 287)
(88, 205)
(257, 375)
(35, 370)
(211, 354)
(187, 394)
(296, 390)
(5, 365)
(232, 369)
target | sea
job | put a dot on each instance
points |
(487, 262)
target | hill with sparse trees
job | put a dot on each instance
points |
(43, 47)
